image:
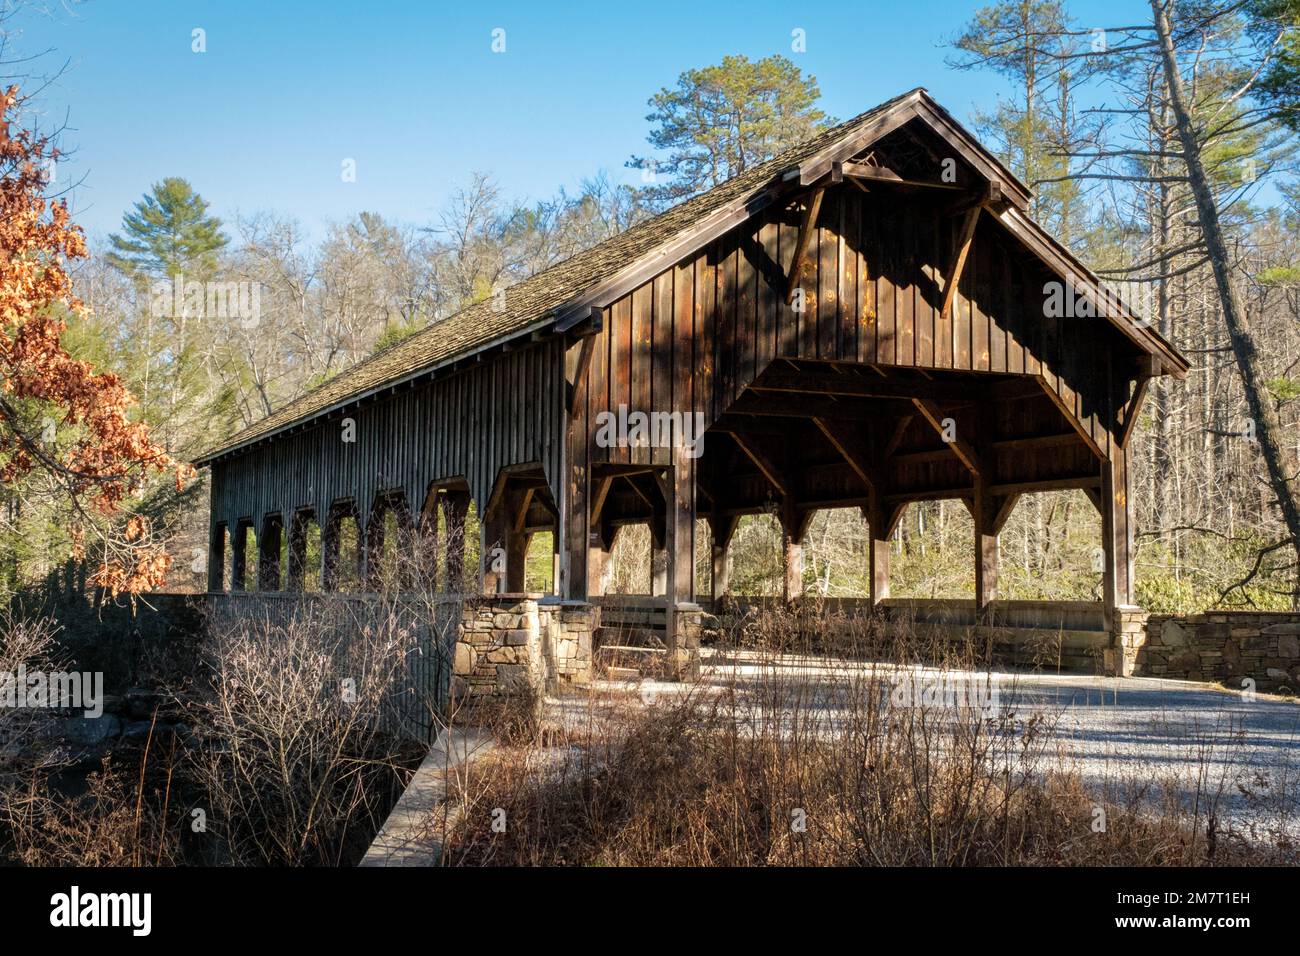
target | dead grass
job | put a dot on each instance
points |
(814, 762)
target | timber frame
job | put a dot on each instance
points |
(860, 322)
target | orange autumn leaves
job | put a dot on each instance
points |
(103, 457)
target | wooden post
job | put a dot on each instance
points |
(880, 524)
(659, 561)
(793, 525)
(268, 559)
(426, 530)
(660, 527)
(297, 549)
(216, 557)
(493, 547)
(681, 521)
(239, 566)
(455, 507)
(329, 551)
(722, 527)
(600, 558)
(676, 484)
(374, 539)
(599, 565)
(517, 560)
(575, 497)
(1117, 535)
(984, 512)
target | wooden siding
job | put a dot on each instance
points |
(470, 425)
(873, 281)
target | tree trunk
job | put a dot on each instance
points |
(1268, 429)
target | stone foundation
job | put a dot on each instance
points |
(1128, 634)
(567, 628)
(520, 645)
(1224, 646)
(684, 662)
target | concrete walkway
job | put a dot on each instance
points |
(412, 834)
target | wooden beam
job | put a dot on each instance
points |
(858, 386)
(1069, 416)
(937, 120)
(1005, 507)
(964, 450)
(521, 516)
(1082, 482)
(897, 115)
(882, 174)
(1130, 413)
(640, 492)
(599, 494)
(576, 365)
(1049, 484)
(988, 197)
(838, 407)
(960, 254)
(801, 244)
(851, 446)
(763, 463)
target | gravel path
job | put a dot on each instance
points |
(1112, 730)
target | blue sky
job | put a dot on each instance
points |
(286, 91)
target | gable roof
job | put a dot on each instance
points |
(554, 297)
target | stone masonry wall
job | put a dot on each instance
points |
(1224, 646)
(567, 628)
(685, 665)
(516, 644)
(1127, 639)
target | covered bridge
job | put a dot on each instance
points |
(867, 320)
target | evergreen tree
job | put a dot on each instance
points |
(721, 120)
(169, 237)
(169, 233)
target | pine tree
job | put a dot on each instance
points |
(721, 120)
(170, 238)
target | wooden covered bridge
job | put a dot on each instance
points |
(865, 321)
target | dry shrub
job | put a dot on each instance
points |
(301, 740)
(26, 732)
(50, 815)
(292, 734)
(815, 761)
(117, 819)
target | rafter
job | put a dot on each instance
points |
(801, 245)
(882, 174)
(965, 451)
(960, 255)
(764, 464)
(853, 448)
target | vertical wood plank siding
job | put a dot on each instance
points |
(873, 282)
(509, 410)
